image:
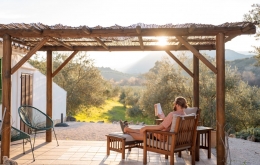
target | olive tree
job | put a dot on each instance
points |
(254, 16)
(82, 81)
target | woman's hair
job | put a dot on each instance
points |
(181, 101)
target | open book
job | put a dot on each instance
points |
(158, 109)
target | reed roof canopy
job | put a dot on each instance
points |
(136, 37)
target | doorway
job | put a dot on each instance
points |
(26, 95)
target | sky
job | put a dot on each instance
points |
(127, 12)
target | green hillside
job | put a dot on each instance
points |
(249, 72)
(108, 74)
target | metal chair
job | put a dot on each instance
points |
(36, 120)
(16, 135)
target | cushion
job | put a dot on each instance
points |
(174, 118)
(127, 137)
(190, 110)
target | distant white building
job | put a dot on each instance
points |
(29, 87)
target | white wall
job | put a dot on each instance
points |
(59, 95)
(39, 96)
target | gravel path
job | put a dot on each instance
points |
(242, 152)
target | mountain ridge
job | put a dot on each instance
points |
(147, 62)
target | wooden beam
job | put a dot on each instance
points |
(20, 42)
(197, 54)
(196, 86)
(146, 32)
(180, 63)
(29, 54)
(86, 30)
(49, 92)
(6, 100)
(101, 43)
(139, 30)
(229, 38)
(192, 28)
(220, 98)
(248, 27)
(37, 31)
(64, 63)
(180, 44)
(127, 48)
(63, 44)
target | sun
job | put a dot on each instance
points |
(162, 41)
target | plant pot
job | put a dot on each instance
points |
(213, 138)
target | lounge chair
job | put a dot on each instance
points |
(181, 137)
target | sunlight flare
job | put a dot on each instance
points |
(162, 41)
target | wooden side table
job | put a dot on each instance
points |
(158, 121)
(203, 141)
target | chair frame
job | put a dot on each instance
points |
(37, 129)
(173, 141)
(22, 136)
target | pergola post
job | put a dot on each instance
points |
(6, 102)
(220, 89)
(49, 92)
(195, 81)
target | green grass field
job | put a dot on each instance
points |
(111, 111)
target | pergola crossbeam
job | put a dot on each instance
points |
(229, 38)
(101, 43)
(127, 48)
(139, 30)
(146, 32)
(29, 54)
(197, 54)
(63, 44)
(64, 63)
(180, 63)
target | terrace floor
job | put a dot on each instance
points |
(92, 153)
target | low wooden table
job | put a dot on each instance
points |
(203, 141)
(158, 121)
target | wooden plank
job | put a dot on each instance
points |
(180, 44)
(29, 54)
(63, 44)
(6, 92)
(192, 28)
(127, 48)
(64, 63)
(21, 42)
(101, 43)
(180, 63)
(196, 81)
(79, 33)
(220, 98)
(49, 92)
(229, 38)
(37, 31)
(197, 54)
(86, 30)
(139, 30)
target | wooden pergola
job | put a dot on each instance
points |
(138, 37)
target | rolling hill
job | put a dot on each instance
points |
(146, 63)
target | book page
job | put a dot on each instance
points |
(157, 109)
